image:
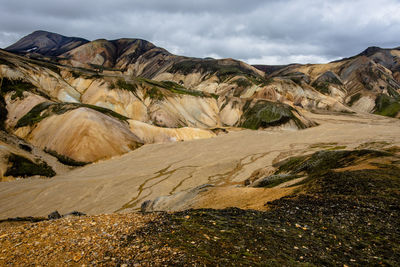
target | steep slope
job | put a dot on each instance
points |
(19, 158)
(367, 82)
(103, 54)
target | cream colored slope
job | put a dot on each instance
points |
(173, 111)
(18, 107)
(121, 101)
(314, 70)
(12, 144)
(153, 134)
(123, 183)
(98, 52)
(291, 93)
(44, 79)
(178, 110)
(82, 134)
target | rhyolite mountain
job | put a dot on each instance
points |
(318, 173)
(81, 101)
(367, 82)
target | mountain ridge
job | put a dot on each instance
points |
(148, 94)
(45, 43)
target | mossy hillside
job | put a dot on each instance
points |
(78, 72)
(274, 180)
(392, 92)
(64, 159)
(246, 81)
(211, 66)
(155, 89)
(155, 93)
(18, 87)
(297, 77)
(325, 160)
(323, 82)
(387, 106)
(46, 63)
(23, 167)
(322, 87)
(124, 85)
(265, 114)
(46, 109)
(174, 88)
(243, 83)
(339, 218)
(316, 164)
(327, 146)
(353, 99)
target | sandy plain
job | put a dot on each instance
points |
(123, 183)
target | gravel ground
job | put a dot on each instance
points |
(347, 214)
(76, 241)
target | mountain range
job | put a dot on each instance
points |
(91, 100)
(301, 156)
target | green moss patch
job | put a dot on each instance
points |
(16, 86)
(210, 66)
(353, 99)
(242, 82)
(35, 115)
(64, 159)
(155, 93)
(324, 160)
(126, 86)
(322, 87)
(265, 114)
(23, 167)
(274, 180)
(387, 106)
(154, 89)
(173, 87)
(322, 83)
(46, 109)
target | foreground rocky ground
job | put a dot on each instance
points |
(346, 213)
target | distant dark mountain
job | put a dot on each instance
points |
(46, 44)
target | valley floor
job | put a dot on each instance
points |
(347, 214)
(123, 183)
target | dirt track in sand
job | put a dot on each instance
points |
(123, 183)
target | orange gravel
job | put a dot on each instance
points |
(78, 241)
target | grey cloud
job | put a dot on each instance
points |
(270, 32)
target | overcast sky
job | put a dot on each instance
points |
(256, 31)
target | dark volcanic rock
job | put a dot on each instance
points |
(54, 215)
(46, 44)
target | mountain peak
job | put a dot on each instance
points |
(46, 43)
(370, 51)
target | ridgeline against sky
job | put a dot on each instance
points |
(258, 32)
